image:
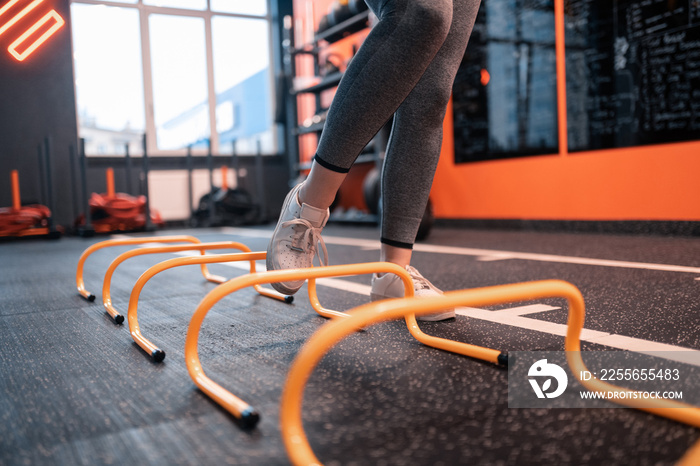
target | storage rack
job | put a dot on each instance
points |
(375, 149)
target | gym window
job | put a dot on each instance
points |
(174, 70)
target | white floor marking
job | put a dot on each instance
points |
(502, 317)
(502, 255)
(511, 316)
(637, 345)
(494, 257)
(345, 285)
(484, 254)
(514, 318)
(529, 309)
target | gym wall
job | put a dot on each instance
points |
(610, 180)
(625, 108)
(657, 183)
(37, 100)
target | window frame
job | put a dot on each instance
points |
(144, 12)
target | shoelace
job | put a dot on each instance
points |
(308, 238)
(419, 281)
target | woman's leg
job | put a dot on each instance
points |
(388, 65)
(386, 68)
(412, 156)
(416, 138)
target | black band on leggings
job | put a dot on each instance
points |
(330, 166)
(396, 244)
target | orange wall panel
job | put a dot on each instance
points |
(658, 182)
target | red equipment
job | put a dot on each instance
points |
(112, 211)
(18, 220)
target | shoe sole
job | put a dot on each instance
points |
(449, 314)
(280, 286)
(285, 290)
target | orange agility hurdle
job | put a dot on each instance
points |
(128, 242)
(295, 440)
(107, 296)
(691, 457)
(242, 410)
(132, 315)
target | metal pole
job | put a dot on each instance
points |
(73, 181)
(291, 103)
(144, 184)
(190, 193)
(87, 229)
(259, 181)
(16, 198)
(235, 164)
(42, 186)
(210, 166)
(49, 185)
(127, 167)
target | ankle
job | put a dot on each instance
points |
(395, 255)
(303, 197)
(381, 274)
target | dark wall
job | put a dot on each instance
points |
(37, 100)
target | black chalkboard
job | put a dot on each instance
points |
(633, 72)
(504, 95)
(632, 77)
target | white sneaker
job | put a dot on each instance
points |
(391, 286)
(293, 244)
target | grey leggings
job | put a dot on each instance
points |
(405, 68)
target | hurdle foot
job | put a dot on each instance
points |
(158, 355)
(249, 418)
(119, 319)
(289, 299)
(89, 298)
(503, 359)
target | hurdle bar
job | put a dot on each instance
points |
(106, 293)
(239, 408)
(294, 437)
(132, 314)
(80, 282)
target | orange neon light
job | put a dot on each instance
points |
(7, 6)
(28, 51)
(19, 15)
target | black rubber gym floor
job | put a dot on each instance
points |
(75, 389)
